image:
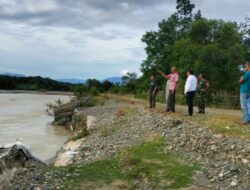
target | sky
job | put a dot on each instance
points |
(88, 38)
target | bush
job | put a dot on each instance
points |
(79, 91)
(95, 101)
(94, 91)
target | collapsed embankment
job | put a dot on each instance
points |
(115, 126)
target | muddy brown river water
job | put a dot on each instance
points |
(24, 116)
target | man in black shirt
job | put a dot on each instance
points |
(152, 91)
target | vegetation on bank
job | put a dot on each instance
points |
(33, 83)
(187, 39)
(146, 163)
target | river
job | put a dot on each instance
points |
(24, 116)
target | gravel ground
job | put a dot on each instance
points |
(224, 161)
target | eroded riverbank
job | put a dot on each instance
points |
(114, 151)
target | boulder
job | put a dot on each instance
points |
(12, 158)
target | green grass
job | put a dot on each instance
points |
(146, 162)
(105, 170)
(95, 101)
(149, 161)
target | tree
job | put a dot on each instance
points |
(107, 85)
(129, 82)
(187, 40)
(93, 83)
(185, 8)
(185, 13)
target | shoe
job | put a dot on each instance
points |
(167, 110)
(200, 112)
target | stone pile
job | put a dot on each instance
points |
(224, 161)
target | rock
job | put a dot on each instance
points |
(12, 159)
(234, 168)
(176, 123)
(234, 183)
(218, 136)
(232, 147)
(63, 115)
(213, 147)
(64, 121)
(245, 161)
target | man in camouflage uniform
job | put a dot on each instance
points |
(202, 88)
(152, 91)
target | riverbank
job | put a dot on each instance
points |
(131, 147)
(44, 92)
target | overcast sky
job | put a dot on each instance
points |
(88, 38)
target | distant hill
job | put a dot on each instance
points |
(114, 79)
(80, 81)
(33, 83)
(72, 81)
(12, 74)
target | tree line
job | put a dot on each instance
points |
(186, 39)
(32, 83)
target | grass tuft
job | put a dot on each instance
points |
(95, 101)
(146, 162)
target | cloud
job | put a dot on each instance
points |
(124, 72)
(86, 14)
(69, 38)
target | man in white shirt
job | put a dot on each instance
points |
(190, 88)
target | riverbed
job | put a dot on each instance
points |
(24, 116)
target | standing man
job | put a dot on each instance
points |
(245, 95)
(172, 87)
(201, 89)
(190, 88)
(152, 91)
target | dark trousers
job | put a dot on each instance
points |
(152, 100)
(190, 99)
(171, 101)
(201, 102)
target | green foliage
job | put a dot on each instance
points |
(33, 83)
(107, 85)
(80, 90)
(95, 101)
(129, 82)
(149, 161)
(90, 83)
(187, 40)
(115, 89)
(94, 91)
(143, 162)
(94, 87)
